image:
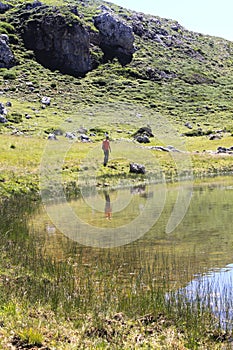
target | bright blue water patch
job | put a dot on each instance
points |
(214, 290)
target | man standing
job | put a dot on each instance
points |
(106, 148)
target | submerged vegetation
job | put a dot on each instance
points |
(96, 299)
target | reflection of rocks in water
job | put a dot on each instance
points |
(138, 189)
(141, 190)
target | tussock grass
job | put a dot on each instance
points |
(95, 298)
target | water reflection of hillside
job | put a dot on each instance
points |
(202, 241)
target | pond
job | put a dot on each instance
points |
(195, 257)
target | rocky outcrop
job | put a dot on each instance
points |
(7, 59)
(58, 44)
(3, 113)
(115, 38)
(4, 7)
(62, 42)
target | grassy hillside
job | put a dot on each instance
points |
(180, 75)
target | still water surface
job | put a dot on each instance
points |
(197, 253)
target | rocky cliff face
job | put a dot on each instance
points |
(61, 41)
(7, 59)
(58, 44)
(4, 7)
(116, 38)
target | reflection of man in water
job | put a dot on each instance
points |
(108, 207)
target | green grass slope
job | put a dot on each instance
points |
(177, 74)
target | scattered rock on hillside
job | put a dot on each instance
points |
(52, 136)
(3, 110)
(137, 168)
(3, 113)
(115, 37)
(155, 74)
(70, 135)
(145, 130)
(165, 149)
(46, 100)
(142, 139)
(221, 149)
(143, 134)
(215, 137)
(7, 59)
(188, 125)
(84, 138)
(3, 119)
(32, 5)
(82, 130)
(147, 28)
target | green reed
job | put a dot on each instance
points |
(96, 282)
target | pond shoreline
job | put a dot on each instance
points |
(29, 185)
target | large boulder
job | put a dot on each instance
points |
(143, 134)
(58, 43)
(136, 168)
(116, 38)
(7, 59)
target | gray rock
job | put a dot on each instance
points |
(172, 149)
(3, 119)
(2, 109)
(157, 75)
(58, 132)
(145, 130)
(143, 134)
(137, 168)
(160, 148)
(104, 8)
(70, 135)
(116, 37)
(46, 100)
(82, 130)
(4, 37)
(188, 125)
(52, 136)
(215, 137)
(84, 138)
(142, 139)
(32, 5)
(69, 120)
(4, 7)
(225, 150)
(7, 59)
